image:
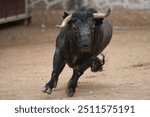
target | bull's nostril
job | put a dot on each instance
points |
(85, 46)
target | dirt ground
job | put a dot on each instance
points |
(26, 55)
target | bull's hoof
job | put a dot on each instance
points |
(70, 92)
(47, 90)
(44, 89)
(96, 65)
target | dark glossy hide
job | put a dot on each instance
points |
(78, 45)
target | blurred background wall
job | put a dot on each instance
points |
(124, 12)
(73, 4)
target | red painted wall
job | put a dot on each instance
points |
(11, 8)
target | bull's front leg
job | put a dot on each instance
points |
(77, 72)
(97, 64)
(58, 65)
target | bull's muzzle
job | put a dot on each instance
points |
(85, 47)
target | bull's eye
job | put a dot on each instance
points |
(93, 30)
(75, 28)
(93, 26)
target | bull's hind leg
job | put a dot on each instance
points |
(58, 65)
(72, 84)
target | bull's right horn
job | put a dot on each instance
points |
(101, 15)
(65, 21)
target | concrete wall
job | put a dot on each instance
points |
(125, 4)
(72, 4)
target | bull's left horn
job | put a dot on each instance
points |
(65, 21)
(101, 15)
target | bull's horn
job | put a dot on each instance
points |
(101, 15)
(65, 21)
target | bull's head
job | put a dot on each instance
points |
(82, 25)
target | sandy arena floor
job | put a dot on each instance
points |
(26, 55)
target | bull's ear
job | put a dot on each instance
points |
(65, 15)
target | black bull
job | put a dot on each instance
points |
(83, 36)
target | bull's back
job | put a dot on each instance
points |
(106, 31)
